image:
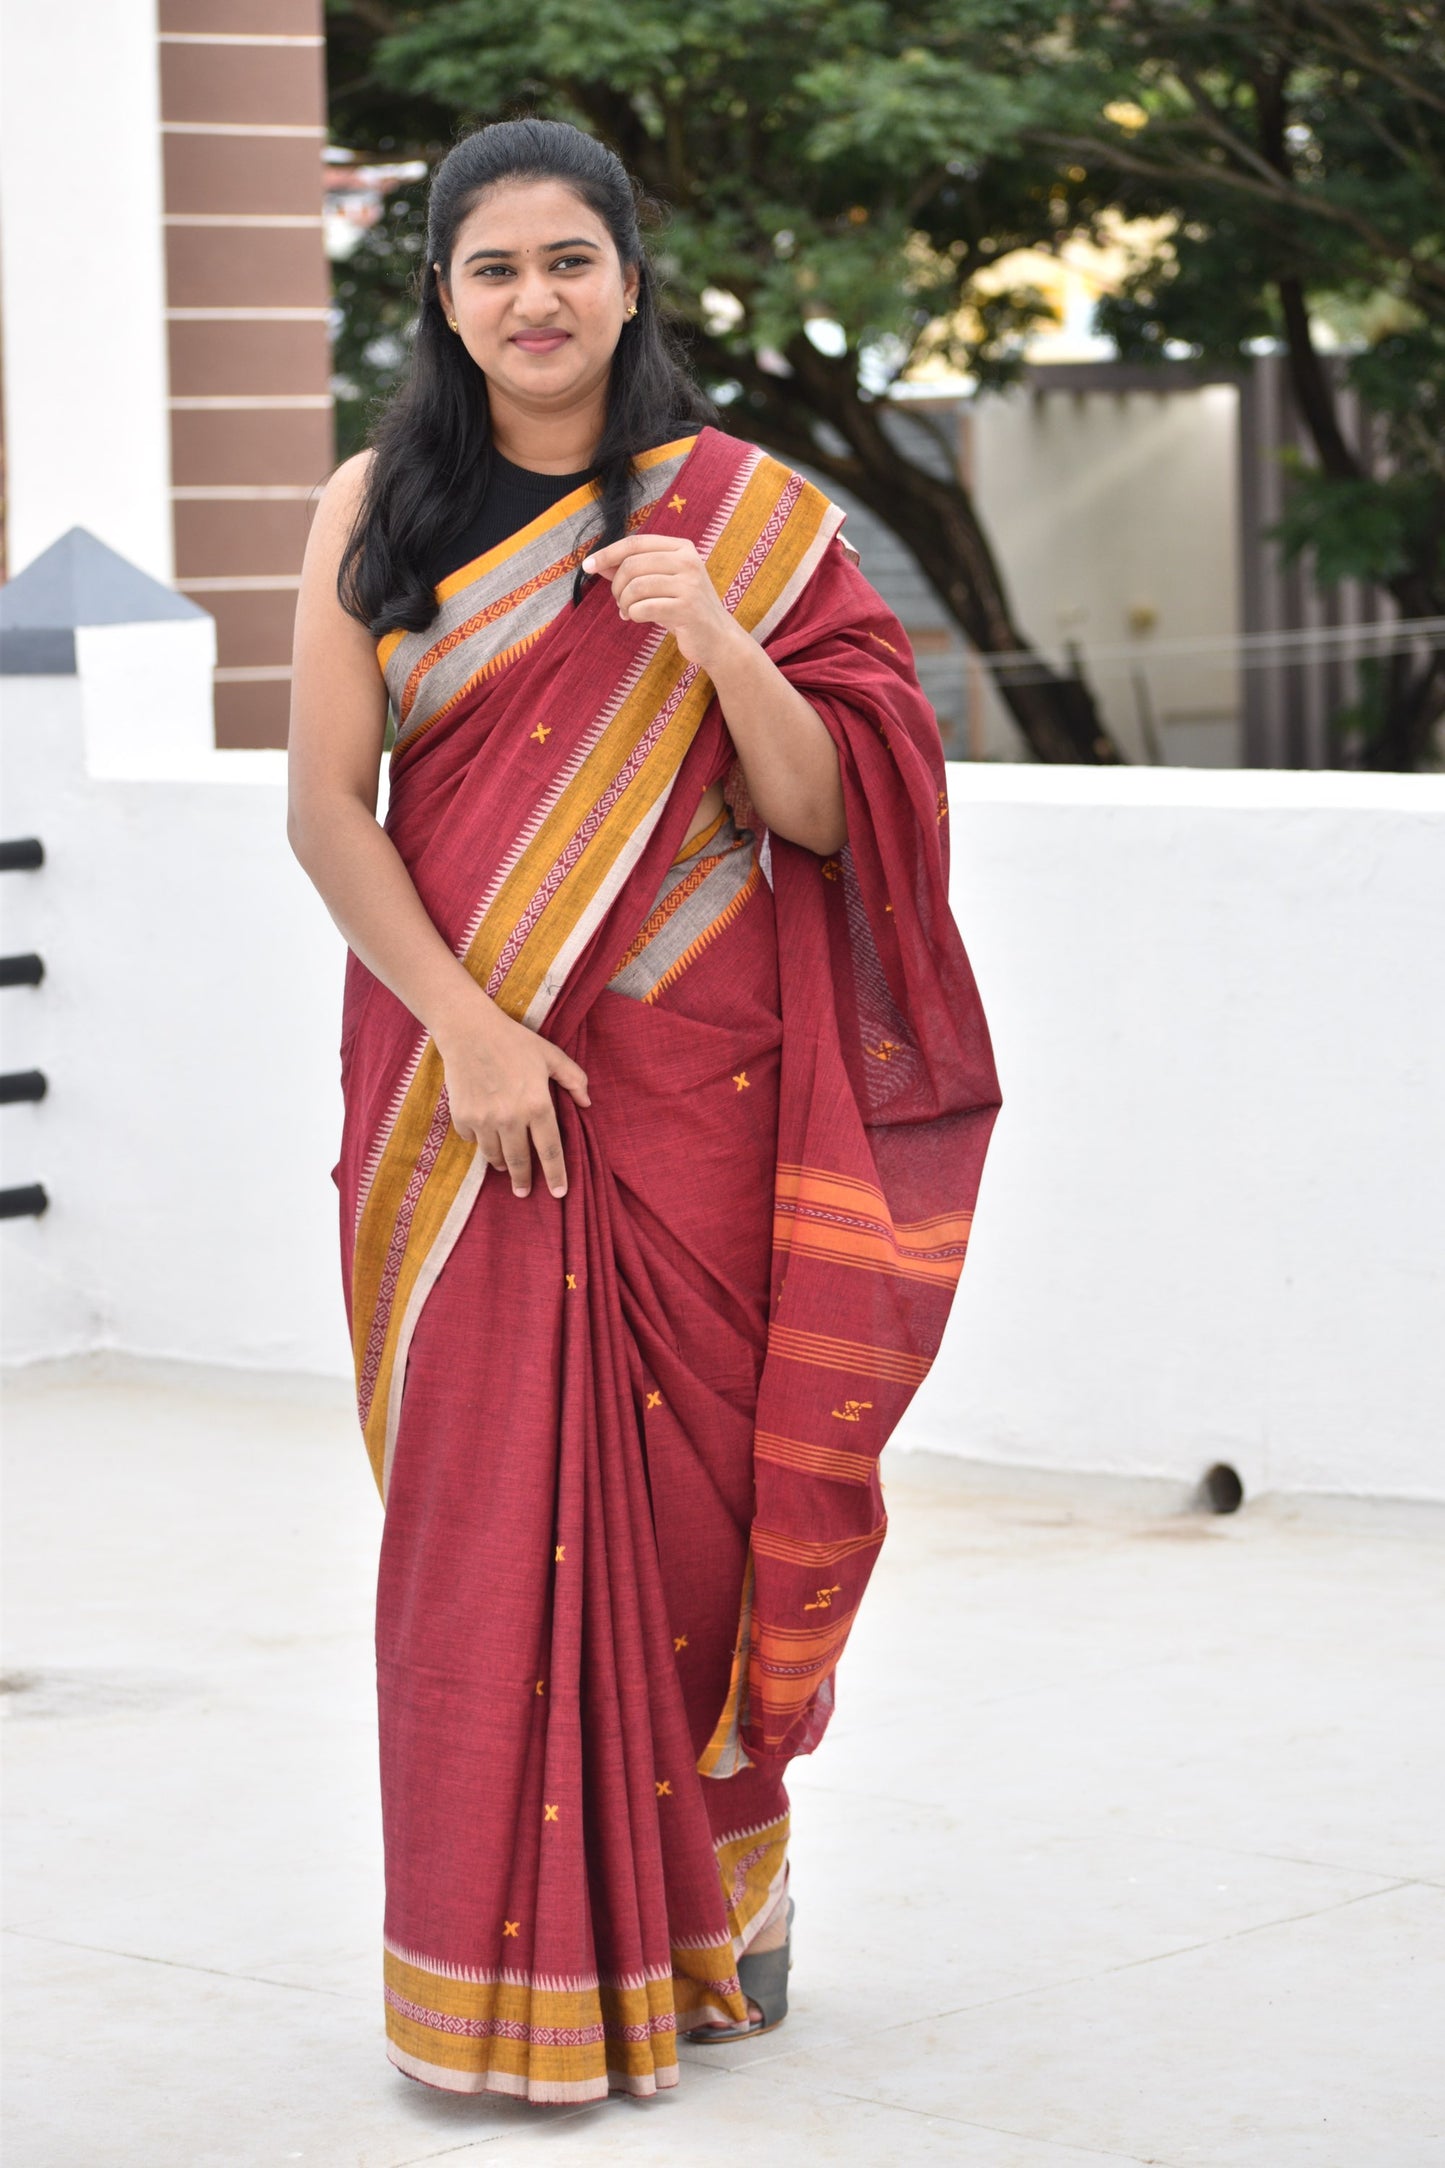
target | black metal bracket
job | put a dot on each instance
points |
(21, 970)
(23, 854)
(20, 1084)
(27, 1203)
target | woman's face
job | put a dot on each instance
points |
(538, 292)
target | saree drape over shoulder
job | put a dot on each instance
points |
(628, 1440)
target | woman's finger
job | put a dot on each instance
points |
(605, 562)
(517, 1147)
(548, 1140)
(571, 1078)
(645, 588)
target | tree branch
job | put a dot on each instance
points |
(1421, 270)
(1332, 28)
(1314, 395)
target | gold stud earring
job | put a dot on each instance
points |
(632, 311)
(452, 322)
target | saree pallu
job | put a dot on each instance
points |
(628, 1440)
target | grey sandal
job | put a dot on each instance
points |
(763, 1978)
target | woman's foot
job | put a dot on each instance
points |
(774, 1934)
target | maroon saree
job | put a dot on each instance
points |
(628, 1441)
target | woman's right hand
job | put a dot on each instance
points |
(499, 1077)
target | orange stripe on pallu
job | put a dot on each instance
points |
(793, 1645)
(709, 933)
(864, 1256)
(785, 1676)
(845, 1193)
(794, 1551)
(539, 912)
(858, 1357)
(814, 1459)
(823, 1214)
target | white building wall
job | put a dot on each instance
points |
(1212, 1223)
(82, 278)
(1100, 505)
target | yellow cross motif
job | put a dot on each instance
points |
(664, 1788)
(852, 1411)
(549, 1814)
(542, 733)
(509, 1927)
(884, 1050)
(653, 1400)
(675, 504)
(830, 869)
(740, 1081)
(943, 805)
(541, 1686)
(888, 907)
(572, 1281)
(679, 1643)
(825, 1598)
(559, 1556)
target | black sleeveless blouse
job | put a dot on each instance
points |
(515, 497)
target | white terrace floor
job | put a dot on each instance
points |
(1126, 1845)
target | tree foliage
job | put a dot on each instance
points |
(845, 178)
(1294, 154)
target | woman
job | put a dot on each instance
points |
(659, 906)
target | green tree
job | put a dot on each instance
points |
(838, 174)
(1295, 152)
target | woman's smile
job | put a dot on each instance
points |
(540, 342)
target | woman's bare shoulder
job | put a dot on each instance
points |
(335, 516)
(341, 498)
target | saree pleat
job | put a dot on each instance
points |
(628, 1440)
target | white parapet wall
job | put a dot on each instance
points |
(1213, 1220)
(1212, 1224)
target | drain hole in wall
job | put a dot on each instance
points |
(1221, 1490)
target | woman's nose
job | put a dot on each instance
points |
(536, 297)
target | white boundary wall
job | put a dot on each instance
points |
(82, 278)
(1212, 1223)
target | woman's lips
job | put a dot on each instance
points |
(540, 342)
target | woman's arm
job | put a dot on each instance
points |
(498, 1073)
(787, 754)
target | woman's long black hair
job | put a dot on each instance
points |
(432, 443)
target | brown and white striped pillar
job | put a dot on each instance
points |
(243, 122)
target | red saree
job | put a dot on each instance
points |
(628, 1442)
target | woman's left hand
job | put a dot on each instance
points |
(660, 580)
